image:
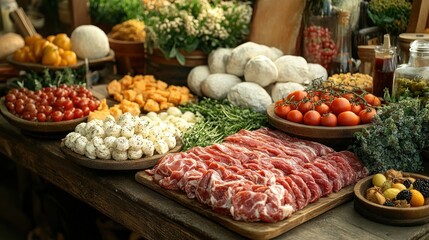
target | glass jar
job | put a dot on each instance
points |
(320, 24)
(412, 79)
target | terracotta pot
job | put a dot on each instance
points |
(170, 70)
(129, 56)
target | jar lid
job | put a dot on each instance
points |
(409, 37)
(420, 46)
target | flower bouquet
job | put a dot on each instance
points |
(178, 26)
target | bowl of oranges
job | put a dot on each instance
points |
(393, 198)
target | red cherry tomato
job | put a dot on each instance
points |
(340, 105)
(328, 120)
(295, 116)
(68, 115)
(57, 116)
(297, 95)
(322, 108)
(348, 118)
(356, 108)
(282, 110)
(41, 117)
(305, 107)
(312, 118)
(366, 115)
(78, 113)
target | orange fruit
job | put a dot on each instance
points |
(417, 198)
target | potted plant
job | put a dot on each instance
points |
(390, 15)
(177, 27)
(107, 13)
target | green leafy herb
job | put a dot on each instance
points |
(49, 78)
(399, 133)
(219, 119)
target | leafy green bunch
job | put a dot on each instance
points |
(112, 12)
(399, 133)
(174, 26)
(390, 15)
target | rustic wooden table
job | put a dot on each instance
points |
(119, 196)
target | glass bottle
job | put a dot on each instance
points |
(318, 34)
(412, 79)
(342, 60)
(384, 66)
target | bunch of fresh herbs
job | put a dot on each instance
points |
(219, 119)
(399, 133)
(47, 78)
(390, 15)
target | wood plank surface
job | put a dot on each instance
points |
(257, 230)
(119, 196)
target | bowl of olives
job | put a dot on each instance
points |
(393, 198)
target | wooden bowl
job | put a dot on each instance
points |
(129, 55)
(35, 127)
(388, 215)
(339, 137)
(110, 164)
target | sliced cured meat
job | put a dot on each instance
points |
(332, 172)
(263, 204)
(357, 164)
(320, 178)
(319, 148)
(289, 196)
(263, 175)
(300, 198)
(287, 147)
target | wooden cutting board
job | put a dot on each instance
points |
(256, 230)
(278, 24)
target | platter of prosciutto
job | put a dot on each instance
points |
(259, 183)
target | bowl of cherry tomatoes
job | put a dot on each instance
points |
(48, 110)
(328, 117)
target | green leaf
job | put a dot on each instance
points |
(180, 58)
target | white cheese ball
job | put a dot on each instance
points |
(217, 85)
(90, 151)
(80, 144)
(153, 116)
(163, 115)
(108, 124)
(136, 142)
(119, 155)
(292, 69)
(80, 128)
(170, 140)
(174, 111)
(96, 131)
(103, 152)
(141, 124)
(250, 95)
(196, 77)
(134, 154)
(97, 141)
(127, 131)
(148, 147)
(126, 119)
(218, 59)
(114, 130)
(70, 139)
(281, 90)
(161, 146)
(189, 116)
(110, 142)
(260, 70)
(121, 144)
(89, 41)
